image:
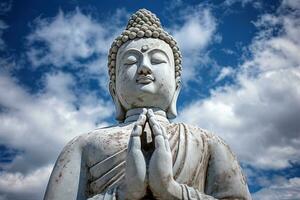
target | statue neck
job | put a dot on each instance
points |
(133, 114)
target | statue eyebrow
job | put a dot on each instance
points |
(131, 51)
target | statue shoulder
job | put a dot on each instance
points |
(100, 143)
(102, 133)
(101, 137)
(114, 132)
(211, 138)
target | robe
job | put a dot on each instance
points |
(203, 164)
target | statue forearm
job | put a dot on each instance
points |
(64, 179)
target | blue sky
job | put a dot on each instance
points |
(241, 77)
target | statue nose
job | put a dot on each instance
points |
(145, 68)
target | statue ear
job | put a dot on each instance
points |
(120, 113)
(172, 110)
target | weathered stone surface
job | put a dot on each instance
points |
(145, 156)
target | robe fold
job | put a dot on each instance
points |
(202, 163)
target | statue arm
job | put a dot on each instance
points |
(224, 179)
(68, 178)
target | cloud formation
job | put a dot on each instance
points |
(66, 39)
(19, 187)
(74, 40)
(258, 116)
(195, 34)
(67, 116)
(285, 189)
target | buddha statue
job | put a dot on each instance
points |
(145, 156)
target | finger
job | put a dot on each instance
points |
(142, 118)
(137, 130)
(160, 142)
(150, 113)
(135, 141)
(155, 126)
(156, 130)
(138, 127)
(166, 139)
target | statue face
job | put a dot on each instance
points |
(145, 74)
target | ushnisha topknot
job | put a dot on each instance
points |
(142, 24)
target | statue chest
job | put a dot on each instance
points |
(189, 152)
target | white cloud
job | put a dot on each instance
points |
(67, 38)
(24, 187)
(283, 190)
(47, 120)
(76, 41)
(255, 3)
(225, 72)
(258, 116)
(294, 4)
(196, 33)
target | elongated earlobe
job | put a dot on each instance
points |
(172, 110)
(120, 113)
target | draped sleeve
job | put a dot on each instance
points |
(203, 165)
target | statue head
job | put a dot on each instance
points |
(144, 67)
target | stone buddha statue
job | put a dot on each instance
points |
(146, 156)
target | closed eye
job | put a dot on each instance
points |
(158, 58)
(130, 60)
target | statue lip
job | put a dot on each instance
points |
(145, 79)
